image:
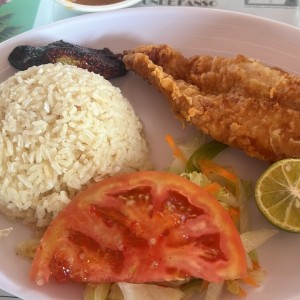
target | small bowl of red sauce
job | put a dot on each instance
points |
(96, 5)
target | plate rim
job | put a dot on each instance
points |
(162, 10)
(86, 17)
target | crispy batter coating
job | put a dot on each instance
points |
(100, 61)
(237, 101)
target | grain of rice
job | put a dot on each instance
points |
(62, 128)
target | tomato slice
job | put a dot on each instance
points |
(140, 227)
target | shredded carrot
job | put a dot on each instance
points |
(234, 287)
(234, 213)
(242, 293)
(177, 153)
(254, 259)
(255, 265)
(204, 285)
(208, 166)
(250, 280)
(213, 188)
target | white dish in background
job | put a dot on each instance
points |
(96, 8)
(193, 31)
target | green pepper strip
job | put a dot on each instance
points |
(206, 151)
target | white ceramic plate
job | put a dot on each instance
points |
(193, 31)
(96, 8)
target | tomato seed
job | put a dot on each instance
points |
(152, 241)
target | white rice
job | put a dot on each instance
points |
(62, 127)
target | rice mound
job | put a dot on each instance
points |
(62, 128)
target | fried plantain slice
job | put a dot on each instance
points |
(100, 61)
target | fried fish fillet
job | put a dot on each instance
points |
(238, 101)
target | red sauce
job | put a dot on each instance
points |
(95, 2)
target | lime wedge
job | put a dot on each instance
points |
(277, 194)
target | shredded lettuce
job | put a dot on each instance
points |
(234, 287)
(115, 292)
(225, 197)
(133, 291)
(258, 275)
(198, 178)
(242, 198)
(214, 290)
(253, 239)
(234, 195)
(97, 291)
(194, 286)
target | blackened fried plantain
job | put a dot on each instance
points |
(100, 61)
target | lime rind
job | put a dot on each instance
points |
(277, 194)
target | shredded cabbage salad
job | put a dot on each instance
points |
(196, 163)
